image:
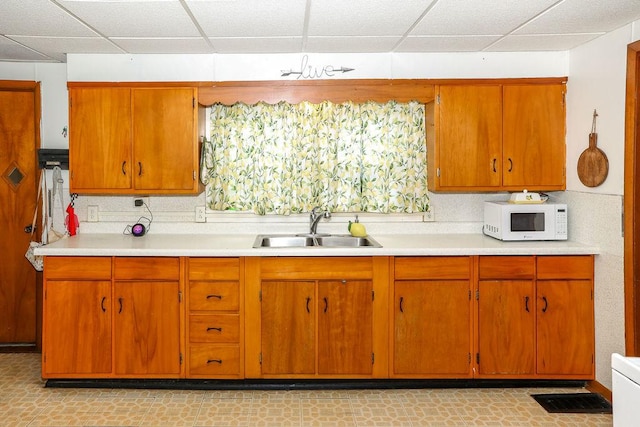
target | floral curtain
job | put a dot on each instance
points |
(287, 158)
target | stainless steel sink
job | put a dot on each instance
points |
(320, 240)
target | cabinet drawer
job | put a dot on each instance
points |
(506, 267)
(63, 267)
(453, 267)
(214, 268)
(214, 328)
(147, 268)
(213, 296)
(214, 360)
(565, 267)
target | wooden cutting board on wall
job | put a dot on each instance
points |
(593, 165)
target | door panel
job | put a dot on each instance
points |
(147, 328)
(431, 326)
(506, 327)
(19, 137)
(345, 327)
(288, 327)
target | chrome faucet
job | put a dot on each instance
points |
(314, 218)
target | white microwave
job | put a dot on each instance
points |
(514, 221)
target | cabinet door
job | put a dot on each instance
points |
(77, 319)
(147, 328)
(432, 327)
(469, 139)
(506, 327)
(165, 146)
(534, 136)
(565, 327)
(345, 327)
(99, 139)
(288, 327)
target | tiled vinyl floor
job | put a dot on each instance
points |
(25, 402)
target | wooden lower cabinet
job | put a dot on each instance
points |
(215, 326)
(99, 325)
(535, 317)
(432, 335)
(316, 317)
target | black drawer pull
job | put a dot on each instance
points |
(214, 296)
(401, 304)
(218, 361)
(214, 329)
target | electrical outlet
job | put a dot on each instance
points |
(201, 214)
(92, 213)
(429, 216)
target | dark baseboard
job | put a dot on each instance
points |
(303, 384)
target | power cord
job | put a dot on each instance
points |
(139, 228)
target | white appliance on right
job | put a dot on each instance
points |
(626, 390)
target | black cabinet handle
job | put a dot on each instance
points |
(401, 304)
(104, 310)
(546, 304)
(124, 172)
(308, 301)
(510, 164)
(214, 296)
(494, 165)
(139, 168)
(326, 304)
(214, 329)
(218, 361)
(526, 304)
(120, 300)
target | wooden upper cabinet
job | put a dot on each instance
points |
(534, 137)
(99, 139)
(498, 137)
(133, 140)
(469, 136)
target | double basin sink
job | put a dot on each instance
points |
(314, 241)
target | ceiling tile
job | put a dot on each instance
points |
(250, 18)
(540, 42)
(257, 45)
(39, 18)
(364, 17)
(446, 44)
(580, 16)
(59, 46)
(487, 17)
(11, 51)
(193, 45)
(135, 19)
(350, 44)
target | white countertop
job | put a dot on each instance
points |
(216, 245)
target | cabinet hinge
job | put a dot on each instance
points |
(260, 358)
(477, 294)
(438, 99)
(438, 172)
(193, 104)
(373, 295)
(477, 358)
(373, 358)
(179, 296)
(194, 175)
(469, 358)
(181, 358)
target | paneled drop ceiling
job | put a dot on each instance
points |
(46, 30)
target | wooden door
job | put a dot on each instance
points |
(19, 139)
(506, 327)
(469, 139)
(345, 327)
(432, 321)
(147, 328)
(534, 137)
(164, 133)
(565, 327)
(78, 335)
(288, 327)
(100, 139)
